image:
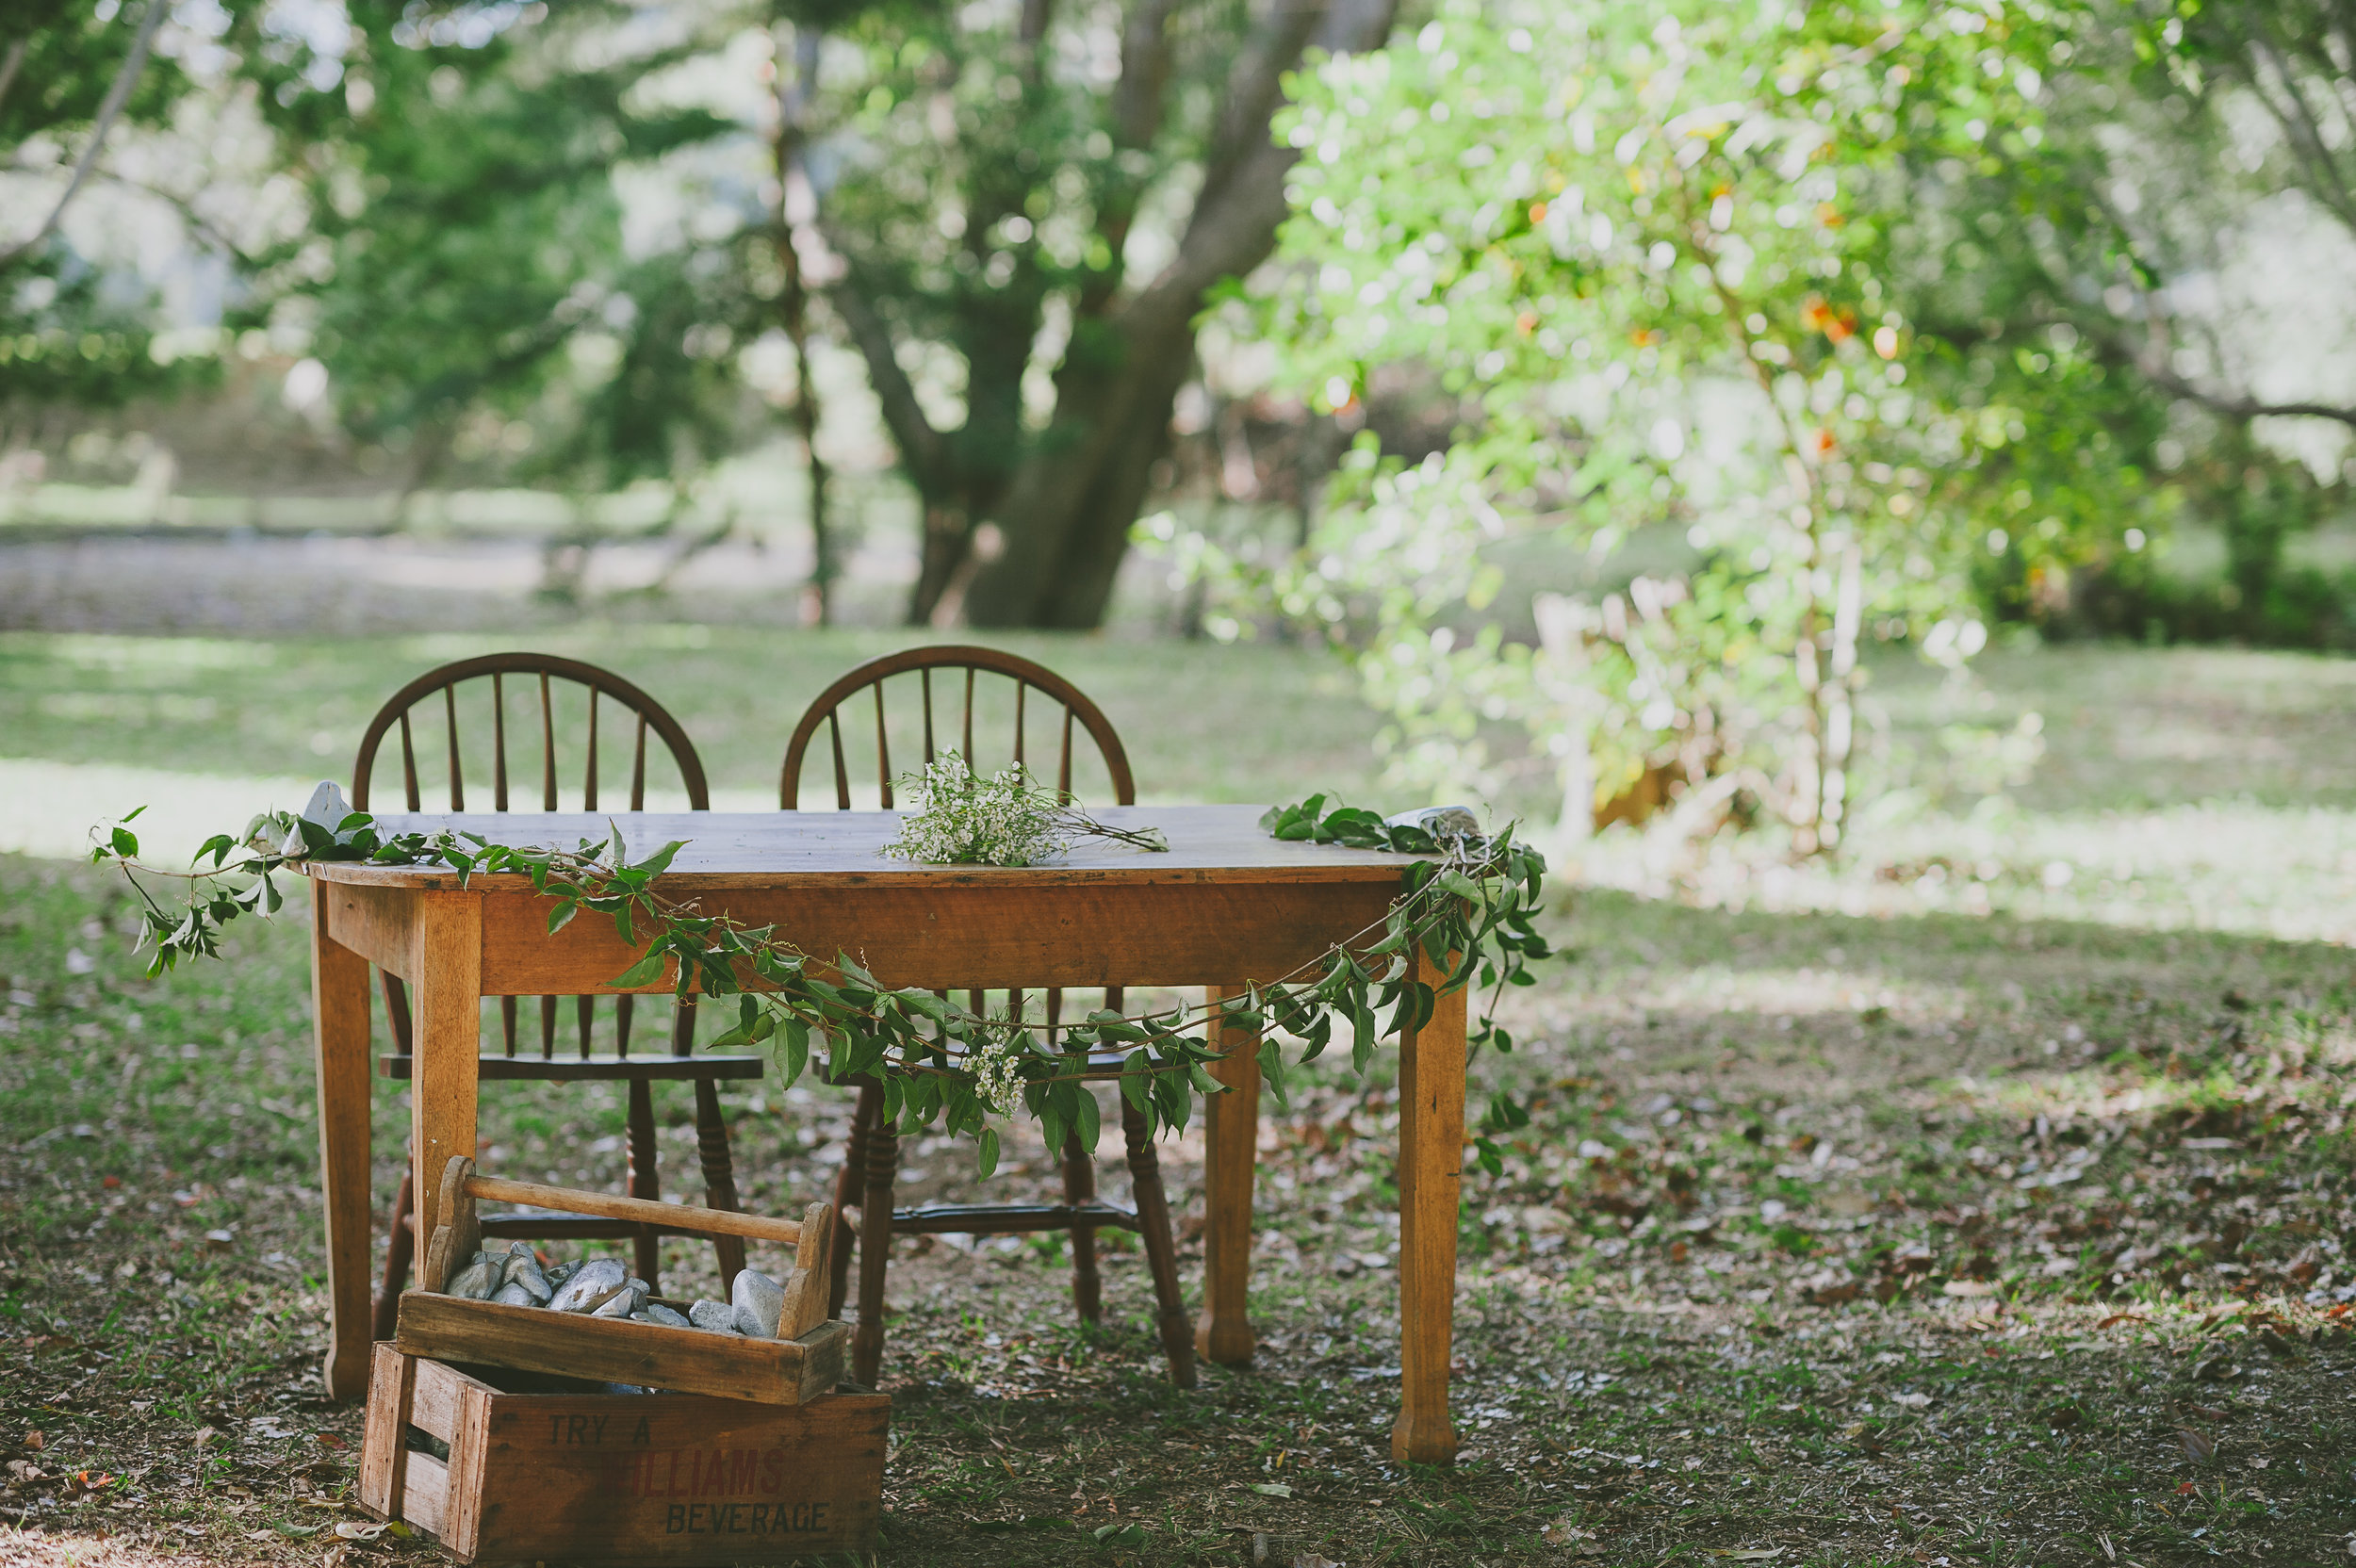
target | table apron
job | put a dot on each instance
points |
(982, 936)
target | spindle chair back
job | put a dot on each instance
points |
(508, 710)
(950, 694)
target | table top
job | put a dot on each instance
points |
(778, 849)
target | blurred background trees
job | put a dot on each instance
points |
(1625, 377)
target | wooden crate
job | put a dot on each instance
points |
(616, 1350)
(620, 1479)
(805, 1365)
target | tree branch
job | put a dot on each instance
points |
(2302, 128)
(1137, 118)
(1144, 73)
(1234, 224)
(1256, 81)
(10, 64)
(2151, 361)
(133, 63)
(180, 204)
(2244, 407)
(921, 446)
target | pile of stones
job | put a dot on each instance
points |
(601, 1288)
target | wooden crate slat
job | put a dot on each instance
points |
(768, 1371)
(633, 1480)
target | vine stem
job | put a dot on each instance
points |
(934, 1058)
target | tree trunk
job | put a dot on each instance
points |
(1067, 511)
(1078, 503)
(795, 190)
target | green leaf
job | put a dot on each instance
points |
(1503, 1115)
(1091, 1113)
(561, 915)
(796, 1050)
(126, 842)
(985, 1153)
(1272, 1072)
(646, 972)
(660, 862)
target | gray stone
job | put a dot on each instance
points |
(591, 1285)
(523, 1269)
(559, 1272)
(622, 1303)
(669, 1318)
(713, 1317)
(513, 1295)
(1442, 823)
(759, 1303)
(478, 1282)
(327, 805)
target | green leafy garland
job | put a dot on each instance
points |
(1476, 898)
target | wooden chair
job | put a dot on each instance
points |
(871, 1164)
(413, 711)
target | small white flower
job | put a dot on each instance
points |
(995, 1079)
(962, 819)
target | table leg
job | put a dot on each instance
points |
(447, 1002)
(875, 1245)
(1230, 1149)
(1430, 1174)
(339, 1014)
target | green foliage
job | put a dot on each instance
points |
(1463, 915)
(1672, 258)
(69, 335)
(466, 254)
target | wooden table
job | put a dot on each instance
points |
(1226, 908)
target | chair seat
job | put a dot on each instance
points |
(549, 1225)
(659, 1068)
(995, 1220)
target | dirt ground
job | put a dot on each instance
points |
(1983, 1199)
(1814, 1251)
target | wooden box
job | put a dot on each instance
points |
(804, 1365)
(620, 1479)
(613, 1350)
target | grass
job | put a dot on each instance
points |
(1876, 1238)
(1288, 718)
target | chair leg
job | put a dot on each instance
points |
(1161, 1250)
(1079, 1186)
(400, 1248)
(643, 1181)
(711, 1143)
(875, 1245)
(848, 1182)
